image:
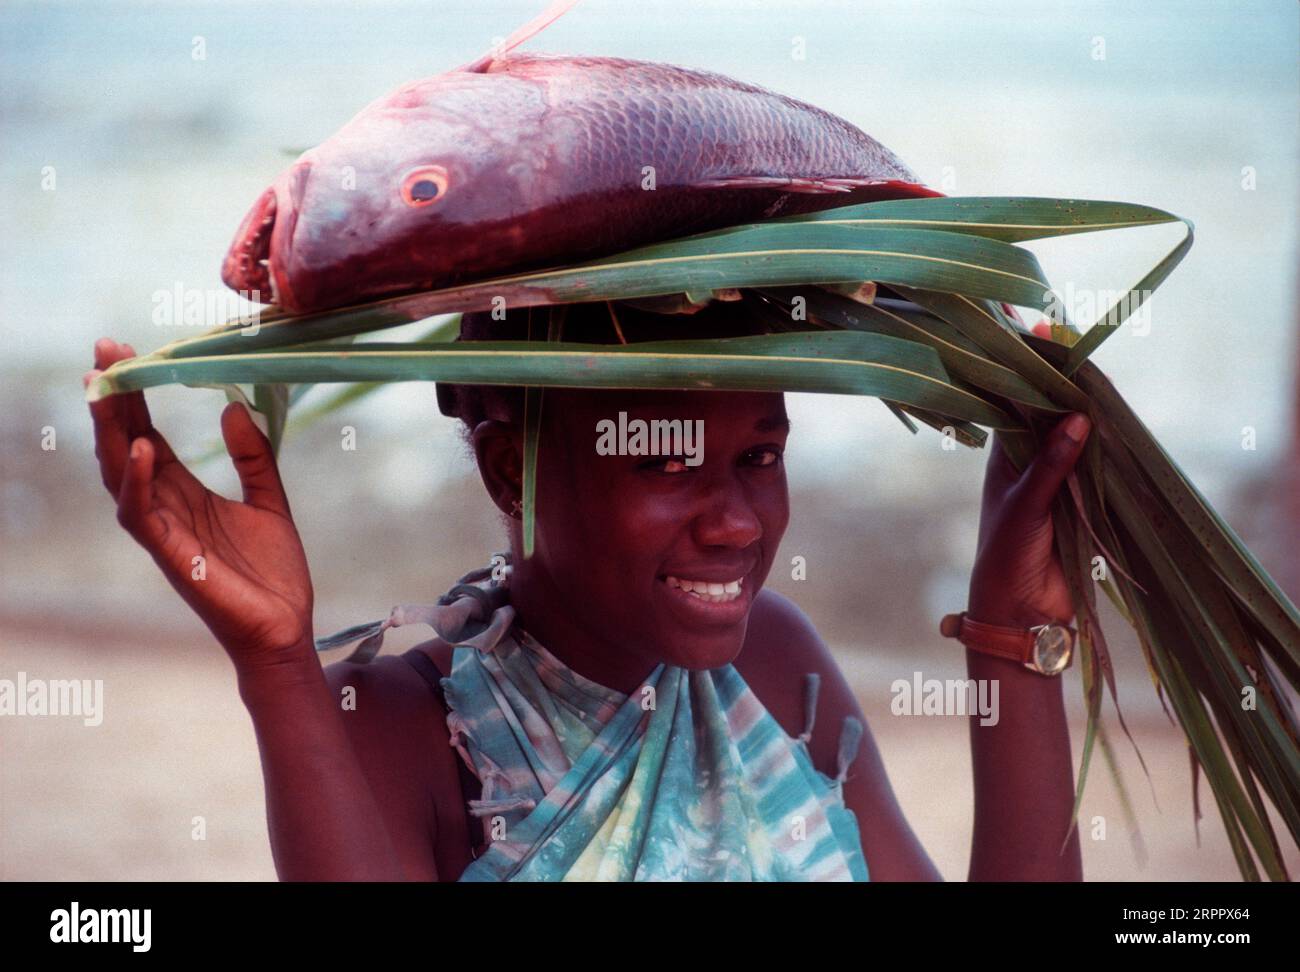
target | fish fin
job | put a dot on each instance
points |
(552, 13)
(786, 183)
(814, 185)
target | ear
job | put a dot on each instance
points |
(498, 447)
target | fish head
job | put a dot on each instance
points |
(421, 189)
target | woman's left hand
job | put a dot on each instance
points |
(1018, 581)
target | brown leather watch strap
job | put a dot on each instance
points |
(1014, 644)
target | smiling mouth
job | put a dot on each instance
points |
(713, 592)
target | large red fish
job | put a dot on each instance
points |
(521, 161)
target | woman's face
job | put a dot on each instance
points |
(662, 554)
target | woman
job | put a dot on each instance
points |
(606, 692)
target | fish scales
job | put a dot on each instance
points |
(539, 160)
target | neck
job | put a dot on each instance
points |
(543, 610)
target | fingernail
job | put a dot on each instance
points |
(137, 449)
(1076, 427)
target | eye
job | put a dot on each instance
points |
(424, 186)
(670, 465)
(763, 456)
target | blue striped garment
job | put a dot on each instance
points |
(689, 778)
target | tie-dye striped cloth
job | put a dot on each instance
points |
(687, 779)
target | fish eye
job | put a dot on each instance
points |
(424, 186)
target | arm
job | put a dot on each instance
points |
(1024, 779)
(400, 739)
(241, 567)
(1024, 775)
(324, 818)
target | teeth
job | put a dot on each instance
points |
(712, 591)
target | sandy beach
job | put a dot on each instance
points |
(123, 800)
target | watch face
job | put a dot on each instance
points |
(1052, 648)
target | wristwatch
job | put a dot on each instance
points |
(1047, 649)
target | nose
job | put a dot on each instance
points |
(730, 519)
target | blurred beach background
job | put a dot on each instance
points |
(156, 154)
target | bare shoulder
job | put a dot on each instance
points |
(382, 699)
(388, 701)
(781, 646)
(398, 730)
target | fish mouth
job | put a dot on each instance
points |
(256, 263)
(247, 267)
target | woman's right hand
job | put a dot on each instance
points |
(252, 587)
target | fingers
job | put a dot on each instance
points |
(136, 409)
(109, 352)
(119, 419)
(1041, 481)
(254, 461)
(1043, 330)
(1000, 474)
(135, 505)
(171, 544)
(112, 436)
